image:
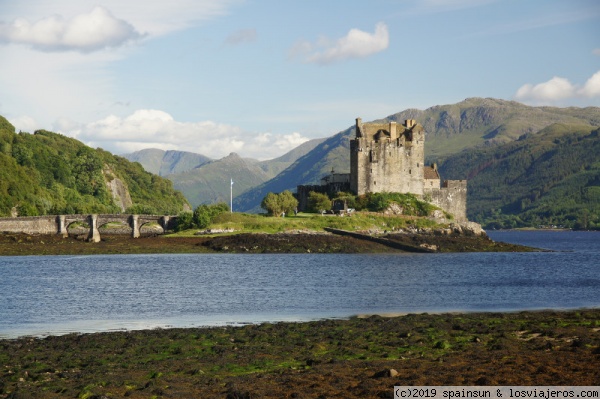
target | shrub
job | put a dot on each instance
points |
(318, 202)
(185, 220)
(205, 214)
(378, 202)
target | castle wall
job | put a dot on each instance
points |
(451, 197)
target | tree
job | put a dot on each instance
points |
(318, 202)
(288, 202)
(276, 204)
(205, 214)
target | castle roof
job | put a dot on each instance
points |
(431, 173)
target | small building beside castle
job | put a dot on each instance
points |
(390, 157)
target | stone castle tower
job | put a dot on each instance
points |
(387, 157)
(390, 157)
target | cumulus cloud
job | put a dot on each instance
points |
(87, 32)
(557, 89)
(356, 44)
(241, 36)
(552, 90)
(149, 128)
(591, 87)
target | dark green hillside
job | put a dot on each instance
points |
(548, 178)
(48, 173)
(333, 153)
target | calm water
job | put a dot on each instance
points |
(43, 295)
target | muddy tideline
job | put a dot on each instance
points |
(354, 358)
(284, 242)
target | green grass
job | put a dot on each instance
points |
(252, 223)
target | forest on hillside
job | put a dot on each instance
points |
(46, 173)
(547, 179)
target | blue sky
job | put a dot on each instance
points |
(261, 77)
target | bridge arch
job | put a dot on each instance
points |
(134, 222)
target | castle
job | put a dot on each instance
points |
(390, 157)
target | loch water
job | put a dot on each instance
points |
(52, 295)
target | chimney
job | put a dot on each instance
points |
(409, 123)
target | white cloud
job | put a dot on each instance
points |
(356, 44)
(557, 89)
(596, 51)
(86, 32)
(157, 129)
(52, 84)
(241, 36)
(552, 90)
(591, 87)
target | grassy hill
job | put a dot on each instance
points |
(48, 173)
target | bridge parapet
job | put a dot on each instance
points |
(59, 224)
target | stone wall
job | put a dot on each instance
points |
(59, 224)
(29, 225)
(451, 197)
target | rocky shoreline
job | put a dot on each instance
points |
(455, 238)
(354, 358)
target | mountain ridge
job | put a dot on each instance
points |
(208, 181)
(453, 128)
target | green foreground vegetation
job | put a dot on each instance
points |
(281, 215)
(261, 223)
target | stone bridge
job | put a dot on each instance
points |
(59, 224)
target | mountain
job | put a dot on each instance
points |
(47, 173)
(205, 181)
(332, 153)
(471, 124)
(164, 163)
(477, 122)
(210, 183)
(551, 177)
(277, 165)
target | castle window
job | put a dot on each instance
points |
(410, 171)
